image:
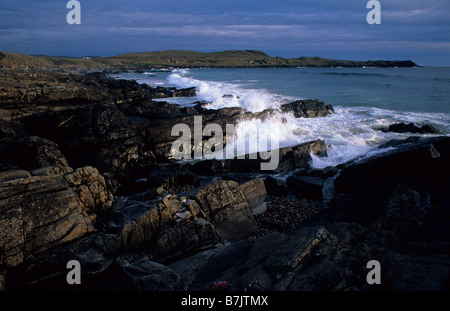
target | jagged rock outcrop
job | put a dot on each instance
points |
(412, 128)
(311, 108)
(289, 158)
(224, 203)
(96, 135)
(423, 161)
(41, 212)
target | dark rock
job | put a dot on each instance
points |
(31, 153)
(152, 109)
(41, 212)
(148, 275)
(391, 207)
(59, 89)
(171, 176)
(253, 264)
(167, 229)
(412, 128)
(275, 187)
(13, 175)
(306, 187)
(164, 92)
(254, 192)
(99, 136)
(191, 267)
(426, 160)
(395, 208)
(48, 271)
(399, 142)
(158, 132)
(289, 158)
(311, 108)
(12, 129)
(2, 283)
(224, 203)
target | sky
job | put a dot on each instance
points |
(337, 29)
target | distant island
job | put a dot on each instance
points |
(190, 59)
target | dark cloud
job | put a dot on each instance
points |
(411, 29)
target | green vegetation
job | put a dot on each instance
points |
(191, 59)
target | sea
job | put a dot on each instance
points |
(365, 101)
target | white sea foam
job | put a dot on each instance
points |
(349, 133)
(224, 95)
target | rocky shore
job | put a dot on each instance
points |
(86, 174)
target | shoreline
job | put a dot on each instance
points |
(79, 181)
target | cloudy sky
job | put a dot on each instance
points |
(414, 29)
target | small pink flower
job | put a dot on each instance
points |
(220, 286)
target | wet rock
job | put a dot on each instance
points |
(289, 158)
(164, 92)
(412, 128)
(311, 108)
(423, 160)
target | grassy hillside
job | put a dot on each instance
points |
(12, 60)
(181, 58)
(16, 60)
(235, 58)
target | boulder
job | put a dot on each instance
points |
(300, 156)
(412, 128)
(424, 160)
(138, 224)
(90, 187)
(43, 211)
(254, 192)
(289, 158)
(38, 213)
(165, 92)
(148, 275)
(167, 229)
(306, 187)
(224, 203)
(310, 108)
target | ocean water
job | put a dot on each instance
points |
(364, 99)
